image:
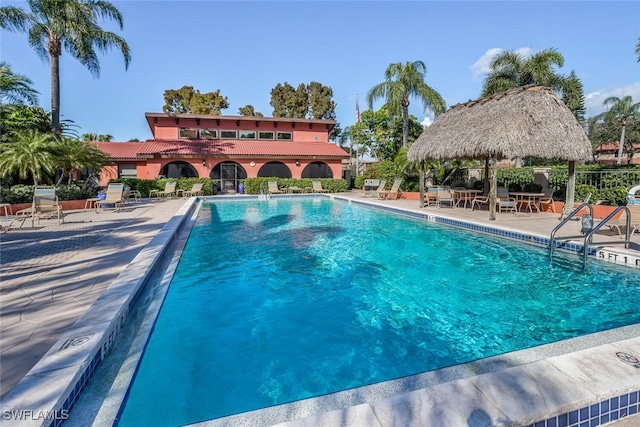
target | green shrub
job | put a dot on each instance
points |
(24, 193)
(144, 186)
(252, 185)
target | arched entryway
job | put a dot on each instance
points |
(317, 170)
(228, 175)
(178, 170)
(275, 169)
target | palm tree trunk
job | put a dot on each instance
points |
(55, 94)
(405, 126)
(621, 145)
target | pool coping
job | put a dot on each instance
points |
(70, 363)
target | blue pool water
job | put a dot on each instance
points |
(287, 299)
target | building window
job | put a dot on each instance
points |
(284, 136)
(229, 134)
(127, 170)
(187, 133)
(208, 134)
(266, 135)
(247, 134)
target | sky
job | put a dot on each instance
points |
(245, 48)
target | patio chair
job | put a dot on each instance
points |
(504, 202)
(547, 199)
(45, 205)
(621, 222)
(431, 196)
(114, 196)
(394, 193)
(445, 195)
(196, 190)
(273, 188)
(317, 187)
(479, 201)
(169, 190)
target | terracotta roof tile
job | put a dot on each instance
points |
(119, 150)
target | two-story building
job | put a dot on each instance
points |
(227, 148)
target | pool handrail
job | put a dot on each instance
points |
(564, 221)
(587, 237)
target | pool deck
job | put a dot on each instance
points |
(51, 274)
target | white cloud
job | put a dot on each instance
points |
(593, 101)
(429, 117)
(481, 66)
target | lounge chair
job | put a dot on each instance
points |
(504, 202)
(317, 187)
(394, 193)
(115, 197)
(621, 222)
(169, 190)
(45, 205)
(547, 199)
(273, 188)
(196, 190)
(376, 192)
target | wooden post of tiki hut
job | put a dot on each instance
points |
(527, 121)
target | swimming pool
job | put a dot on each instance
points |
(282, 300)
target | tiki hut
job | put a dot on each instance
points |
(527, 121)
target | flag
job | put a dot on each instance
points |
(357, 111)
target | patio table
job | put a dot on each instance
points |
(370, 186)
(465, 196)
(528, 201)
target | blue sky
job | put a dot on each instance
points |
(245, 48)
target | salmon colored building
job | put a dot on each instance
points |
(607, 154)
(226, 148)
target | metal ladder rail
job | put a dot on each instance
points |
(564, 221)
(264, 194)
(587, 238)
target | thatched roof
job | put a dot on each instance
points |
(527, 121)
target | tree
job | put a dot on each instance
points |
(28, 153)
(379, 134)
(638, 49)
(88, 137)
(249, 111)
(70, 24)
(573, 96)
(510, 69)
(290, 102)
(312, 101)
(15, 88)
(622, 110)
(72, 154)
(401, 83)
(19, 118)
(188, 100)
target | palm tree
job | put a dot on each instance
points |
(72, 154)
(402, 82)
(28, 153)
(622, 110)
(510, 69)
(15, 88)
(70, 24)
(638, 49)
